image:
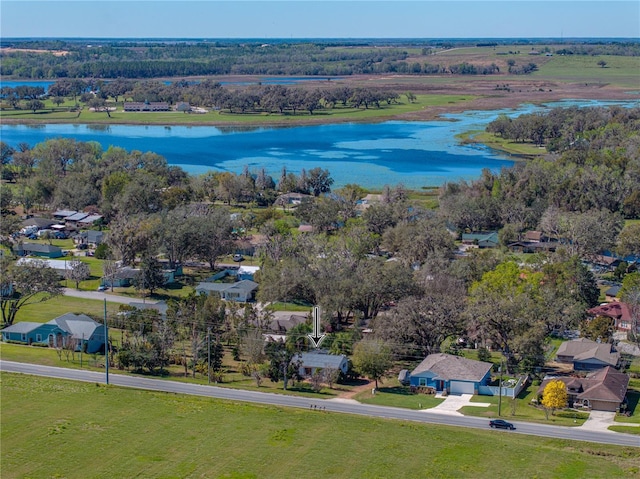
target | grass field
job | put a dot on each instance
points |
(619, 70)
(54, 115)
(41, 312)
(53, 428)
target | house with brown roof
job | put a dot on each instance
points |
(602, 390)
(587, 355)
(453, 374)
(618, 311)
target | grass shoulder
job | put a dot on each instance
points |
(163, 430)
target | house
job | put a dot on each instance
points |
(533, 246)
(58, 332)
(291, 199)
(161, 307)
(122, 278)
(284, 321)
(73, 220)
(603, 263)
(483, 239)
(89, 220)
(59, 265)
(612, 293)
(241, 291)
(602, 390)
(314, 361)
(587, 355)
(63, 214)
(90, 237)
(37, 249)
(40, 223)
(618, 311)
(247, 272)
(368, 201)
(452, 374)
(146, 106)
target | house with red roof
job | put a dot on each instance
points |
(618, 311)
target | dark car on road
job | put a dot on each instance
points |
(501, 424)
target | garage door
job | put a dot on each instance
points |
(459, 387)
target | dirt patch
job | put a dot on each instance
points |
(356, 390)
(55, 53)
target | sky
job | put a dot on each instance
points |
(320, 19)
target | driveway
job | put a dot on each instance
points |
(599, 421)
(453, 402)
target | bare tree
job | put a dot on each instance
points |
(77, 271)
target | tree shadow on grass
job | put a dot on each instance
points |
(633, 398)
(399, 390)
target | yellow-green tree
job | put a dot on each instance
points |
(554, 396)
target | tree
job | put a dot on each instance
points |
(35, 105)
(602, 64)
(629, 239)
(212, 235)
(33, 282)
(77, 271)
(599, 328)
(282, 361)
(150, 276)
(319, 181)
(554, 396)
(372, 358)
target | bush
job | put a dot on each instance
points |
(484, 354)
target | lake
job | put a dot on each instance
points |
(416, 154)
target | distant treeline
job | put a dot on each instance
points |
(127, 59)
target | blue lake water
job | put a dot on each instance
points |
(263, 81)
(416, 154)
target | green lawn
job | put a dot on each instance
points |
(221, 117)
(522, 410)
(619, 70)
(78, 430)
(41, 312)
(398, 396)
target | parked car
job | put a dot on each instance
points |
(102, 288)
(501, 424)
(238, 257)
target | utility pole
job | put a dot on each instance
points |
(500, 388)
(106, 342)
(209, 355)
(81, 347)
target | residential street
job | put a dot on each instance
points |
(349, 407)
(112, 298)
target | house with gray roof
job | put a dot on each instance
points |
(587, 355)
(38, 249)
(452, 374)
(58, 331)
(314, 361)
(241, 291)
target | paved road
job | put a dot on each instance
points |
(111, 298)
(348, 407)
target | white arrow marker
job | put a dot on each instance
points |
(316, 338)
